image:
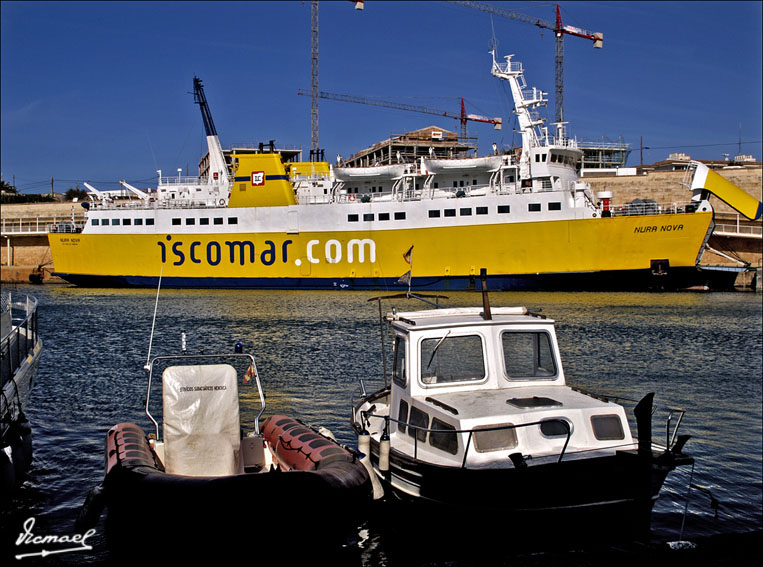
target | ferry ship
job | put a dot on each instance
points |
(261, 221)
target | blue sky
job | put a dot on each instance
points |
(99, 91)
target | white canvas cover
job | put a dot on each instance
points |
(201, 420)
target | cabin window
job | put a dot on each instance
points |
(504, 209)
(481, 210)
(450, 212)
(400, 216)
(556, 206)
(114, 221)
(398, 370)
(127, 222)
(556, 427)
(95, 222)
(402, 416)
(204, 220)
(434, 214)
(607, 427)
(449, 359)
(368, 216)
(138, 222)
(383, 216)
(352, 218)
(149, 222)
(175, 222)
(474, 182)
(487, 439)
(534, 207)
(455, 184)
(420, 420)
(528, 355)
(218, 220)
(465, 212)
(232, 220)
(190, 221)
(443, 437)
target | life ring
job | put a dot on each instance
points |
(350, 197)
(222, 202)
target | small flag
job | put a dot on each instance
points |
(405, 278)
(408, 255)
(249, 374)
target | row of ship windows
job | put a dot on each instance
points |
(465, 212)
(380, 189)
(150, 221)
(434, 213)
(125, 222)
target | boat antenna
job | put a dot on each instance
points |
(153, 323)
(485, 299)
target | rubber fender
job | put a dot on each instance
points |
(127, 447)
(299, 447)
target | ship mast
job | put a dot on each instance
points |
(525, 103)
(218, 170)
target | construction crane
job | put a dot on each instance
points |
(315, 152)
(463, 117)
(559, 29)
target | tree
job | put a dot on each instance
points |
(7, 187)
(77, 193)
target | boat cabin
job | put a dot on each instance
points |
(468, 389)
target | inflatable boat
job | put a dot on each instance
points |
(205, 478)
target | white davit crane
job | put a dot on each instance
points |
(94, 192)
(142, 194)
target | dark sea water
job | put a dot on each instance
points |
(700, 352)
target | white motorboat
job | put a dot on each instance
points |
(478, 416)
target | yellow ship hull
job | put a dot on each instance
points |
(615, 252)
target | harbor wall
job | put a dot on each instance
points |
(24, 254)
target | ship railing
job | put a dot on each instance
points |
(162, 203)
(65, 226)
(180, 180)
(738, 229)
(422, 433)
(36, 225)
(639, 207)
(672, 416)
(19, 315)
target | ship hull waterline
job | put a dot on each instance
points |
(615, 253)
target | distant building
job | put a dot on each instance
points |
(604, 154)
(431, 141)
(679, 161)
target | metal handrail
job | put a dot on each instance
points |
(23, 324)
(670, 438)
(387, 419)
(207, 357)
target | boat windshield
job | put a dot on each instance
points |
(450, 359)
(528, 355)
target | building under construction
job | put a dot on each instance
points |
(432, 142)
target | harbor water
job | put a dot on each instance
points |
(697, 351)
